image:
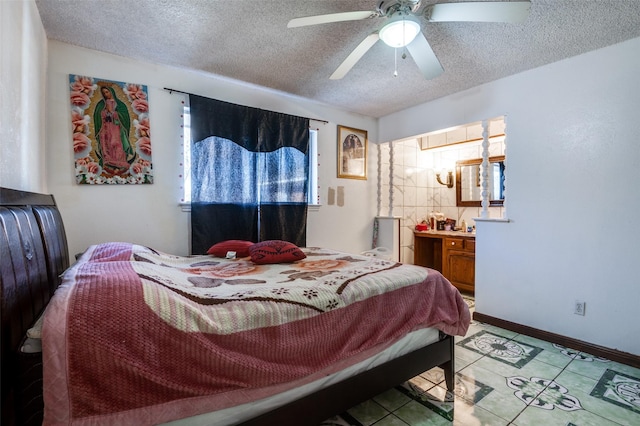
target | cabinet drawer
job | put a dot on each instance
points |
(454, 243)
(465, 244)
(470, 245)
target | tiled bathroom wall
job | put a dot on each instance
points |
(412, 192)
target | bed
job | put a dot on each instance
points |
(137, 336)
(34, 254)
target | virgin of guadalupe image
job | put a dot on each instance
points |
(112, 123)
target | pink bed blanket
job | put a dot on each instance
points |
(133, 331)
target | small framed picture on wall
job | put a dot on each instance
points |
(352, 153)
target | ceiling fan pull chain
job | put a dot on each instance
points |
(395, 61)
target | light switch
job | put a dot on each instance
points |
(331, 196)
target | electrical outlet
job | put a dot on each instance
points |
(579, 308)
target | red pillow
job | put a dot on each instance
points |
(275, 251)
(241, 247)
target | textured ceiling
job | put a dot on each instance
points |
(248, 40)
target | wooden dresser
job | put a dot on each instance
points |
(451, 253)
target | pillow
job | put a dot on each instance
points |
(275, 251)
(241, 247)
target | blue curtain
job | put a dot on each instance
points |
(249, 172)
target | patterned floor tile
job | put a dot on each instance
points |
(505, 378)
(577, 355)
(440, 401)
(449, 408)
(533, 416)
(468, 414)
(435, 375)
(501, 405)
(473, 329)
(501, 401)
(486, 376)
(543, 393)
(392, 399)
(368, 412)
(416, 414)
(390, 420)
(594, 367)
(436, 399)
(465, 357)
(588, 366)
(551, 353)
(497, 330)
(583, 387)
(500, 348)
(469, 388)
(533, 368)
(619, 389)
(418, 384)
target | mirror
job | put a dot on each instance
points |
(469, 186)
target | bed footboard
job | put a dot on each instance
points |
(34, 254)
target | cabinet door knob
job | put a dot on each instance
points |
(453, 243)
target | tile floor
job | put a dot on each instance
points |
(505, 378)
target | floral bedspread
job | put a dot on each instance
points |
(156, 328)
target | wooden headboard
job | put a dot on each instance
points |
(34, 252)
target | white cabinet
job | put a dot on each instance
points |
(389, 235)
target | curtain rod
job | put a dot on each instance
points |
(187, 93)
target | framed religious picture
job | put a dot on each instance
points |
(352, 153)
(110, 131)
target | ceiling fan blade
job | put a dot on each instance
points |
(332, 17)
(515, 11)
(423, 54)
(355, 56)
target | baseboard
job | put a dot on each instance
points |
(579, 345)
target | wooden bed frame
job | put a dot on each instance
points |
(34, 255)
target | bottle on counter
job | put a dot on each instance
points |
(463, 226)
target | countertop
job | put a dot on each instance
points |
(445, 233)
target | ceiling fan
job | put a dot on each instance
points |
(403, 26)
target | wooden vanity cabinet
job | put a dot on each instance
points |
(451, 253)
(459, 262)
(427, 251)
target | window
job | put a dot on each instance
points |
(312, 193)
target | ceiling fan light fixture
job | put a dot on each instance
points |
(400, 31)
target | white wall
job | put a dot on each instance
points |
(23, 61)
(150, 214)
(572, 170)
